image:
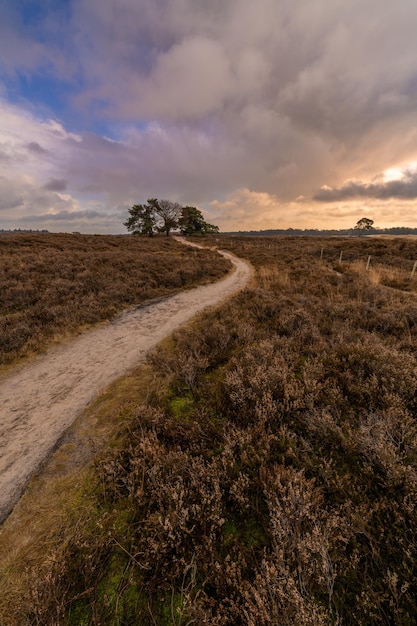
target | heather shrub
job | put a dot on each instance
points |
(369, 373)
(387, 441)
(56, 284)
(272, 479)
(262, 382)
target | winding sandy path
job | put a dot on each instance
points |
(41, 399)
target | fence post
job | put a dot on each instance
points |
(368, 262)
(413, 270)
(321, 255)
(341, 256)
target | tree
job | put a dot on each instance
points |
(192, 222)
(168, 214)
(164, 215)
(142, 220)
(364, 224)
(156, 215)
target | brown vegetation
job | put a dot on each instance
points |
(52, 285)
(271, 477)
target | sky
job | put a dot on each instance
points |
(266, 114)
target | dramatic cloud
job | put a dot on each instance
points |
(404, 188)
(244, 109)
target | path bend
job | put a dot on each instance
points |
(40, 400)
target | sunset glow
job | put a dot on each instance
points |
(230, 107)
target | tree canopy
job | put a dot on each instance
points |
(142, 220)
(364, 224)
(192, 222)
(163, 216)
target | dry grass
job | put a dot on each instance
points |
(54, 285)
(271, 475)
(269, 277)
(57, 507)
(395, 277)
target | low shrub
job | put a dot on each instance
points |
(52, 285)
(273, 477)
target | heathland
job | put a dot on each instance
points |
(53, 285)
(267, 474)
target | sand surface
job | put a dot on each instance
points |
(40, 400)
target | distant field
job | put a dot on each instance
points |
(55, 284)
(269, 473)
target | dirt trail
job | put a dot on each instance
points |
(40, 400)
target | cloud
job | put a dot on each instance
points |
(35, 42)
(34, 147)
(245, 209)
(278, 88)
(192, 79)
(33, 176)
(10, 198)
(68, 216)
(245, 109)
(56, 185)
(404, 188)
(16, 49)
(56, 129)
